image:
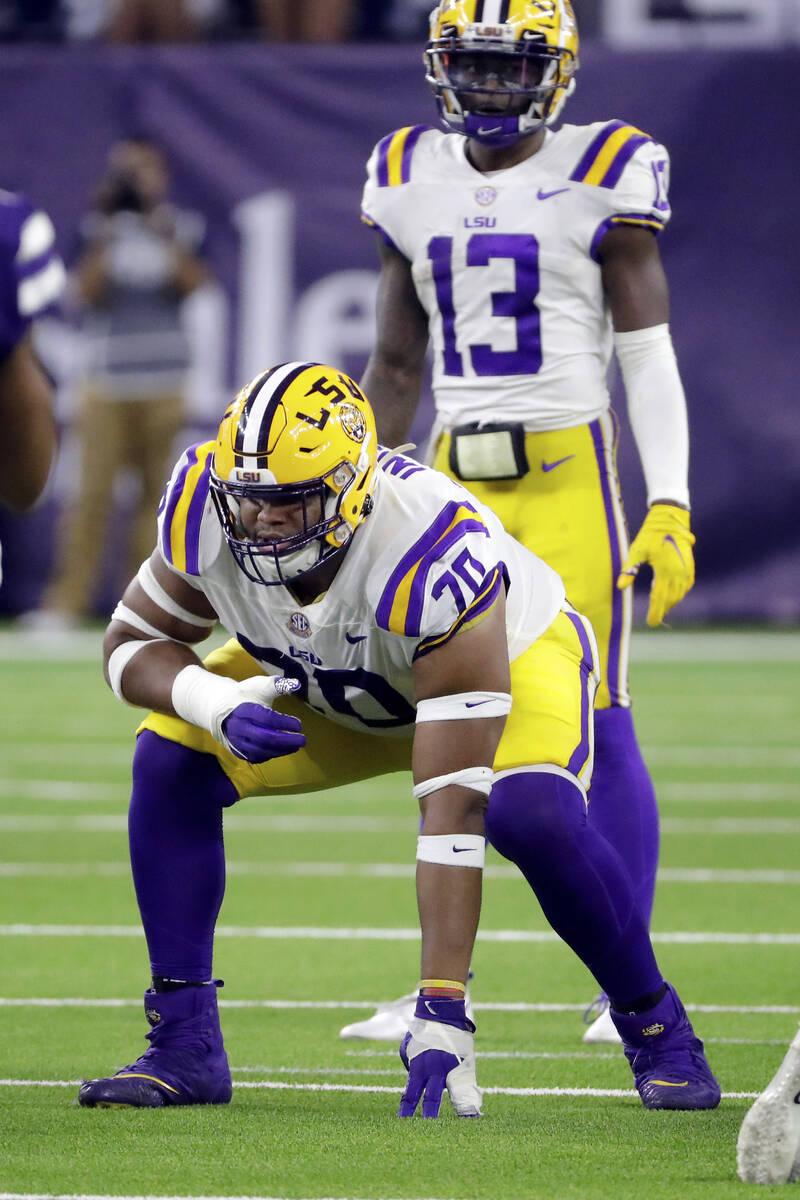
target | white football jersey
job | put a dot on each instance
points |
(505, 264)
(427, 562)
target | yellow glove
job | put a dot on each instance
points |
(664, 542)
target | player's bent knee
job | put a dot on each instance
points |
(164, 769)
(537, 808)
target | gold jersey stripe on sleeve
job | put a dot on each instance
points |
(185, 507)
(608, 154)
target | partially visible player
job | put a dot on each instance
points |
(768, 1150)
(31, 279)
(525, 256)
(418, 617)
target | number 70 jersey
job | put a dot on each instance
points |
(506, 265)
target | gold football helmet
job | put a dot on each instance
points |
(501, 69)
(296, 432)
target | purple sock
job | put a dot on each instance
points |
(622, 802)
(177, 854)
(538, 821)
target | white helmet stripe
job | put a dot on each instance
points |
(265, 395)
(491, 12)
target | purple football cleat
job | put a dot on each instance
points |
(186, 1062)
(667, 1059)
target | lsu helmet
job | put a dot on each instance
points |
(501, 69)
(298, 432)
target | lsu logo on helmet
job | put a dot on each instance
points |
(501, 69)
(301, 434)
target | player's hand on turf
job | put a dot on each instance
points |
(252, 730)
(439, 1056)
(664, 542)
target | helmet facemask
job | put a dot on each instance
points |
(496, 93)
(282, 559)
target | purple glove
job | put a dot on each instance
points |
(256, 733)
(439, 1055)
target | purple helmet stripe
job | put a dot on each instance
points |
(175, 493)
(617, 606)
(581, 752)
(621, 160)
(585, 164)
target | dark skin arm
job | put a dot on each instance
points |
(148, 677)
(449, 898)
(633, 279)
(28, 444)
(393, 375)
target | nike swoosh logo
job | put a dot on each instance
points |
(461, 849)
(476, 703)
(666, 1083)
(669, 538)
(546, 466)
(543, 195)
(355, 638)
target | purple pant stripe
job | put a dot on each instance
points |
(617, 602)
(579, 756)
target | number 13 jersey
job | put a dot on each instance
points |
(506, 264)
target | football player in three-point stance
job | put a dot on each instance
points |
(526, 255)
(416, 613)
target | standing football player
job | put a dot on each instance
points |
(525, 255)
(31, 279)
(417, 613)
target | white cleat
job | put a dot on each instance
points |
(768, 1149)
(390, 1021)
(602, 1030)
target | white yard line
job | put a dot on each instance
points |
(516, 1006)
(118, 823)
(665, 645)
(151, 1196)
(690, 875)
(371, 1088)
(352, 934)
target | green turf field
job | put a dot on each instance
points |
(320, 910)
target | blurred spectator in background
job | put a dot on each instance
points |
(152, 21)
(139, 261)
(306, 20)
(31, 279)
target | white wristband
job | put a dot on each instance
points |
(205, 699)
(200, 697)
(657, 410)
(452, 849)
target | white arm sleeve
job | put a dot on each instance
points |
(657, 411)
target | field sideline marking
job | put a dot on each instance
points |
(112, 823)
(521, 1006)
(279, 1085)
(345, 934)
(18, 870)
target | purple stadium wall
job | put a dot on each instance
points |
(269, 144)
